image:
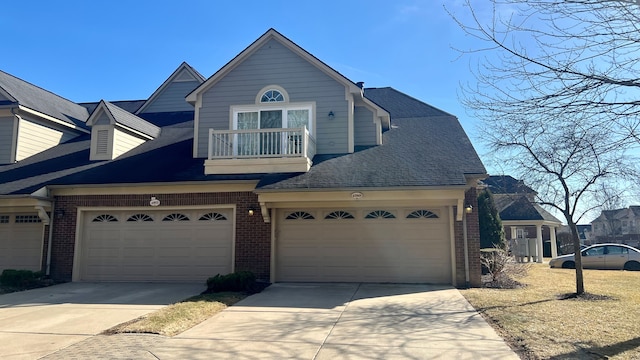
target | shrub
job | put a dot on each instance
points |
(20, 278)
(237, 281)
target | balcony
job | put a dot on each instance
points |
(259, 151)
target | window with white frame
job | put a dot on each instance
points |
(272, 110)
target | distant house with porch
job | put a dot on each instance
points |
(529, 229)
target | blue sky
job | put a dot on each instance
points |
(123, 50)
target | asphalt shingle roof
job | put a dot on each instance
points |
(128, 105)
(128, 119)
(518, 207)
(416, 152)
(46, 102)
(505, 184)
(401, 105)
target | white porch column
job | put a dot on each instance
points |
(539, 247)
(554, 245)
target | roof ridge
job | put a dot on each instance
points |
(38, 87)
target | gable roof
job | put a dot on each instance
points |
(43, 101)
(122, 117)
(181, 70)
(506, 184)
(271, 34)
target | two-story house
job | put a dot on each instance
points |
(276, 164)
(529, 229)
(618, 226)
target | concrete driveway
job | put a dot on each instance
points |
(38, 322)
(342, 321)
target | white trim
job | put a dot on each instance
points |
(145, 188)
(284, 93)
(81, 210)
(350, 126)
(52, 119)
(274, 223)
(452, 239)
(13, 155)
(284, 106)
(196, 126)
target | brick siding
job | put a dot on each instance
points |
(473, 243)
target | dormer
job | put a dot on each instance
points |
(115, 131)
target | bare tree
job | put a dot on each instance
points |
(558, 93)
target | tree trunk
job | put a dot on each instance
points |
(577, 258)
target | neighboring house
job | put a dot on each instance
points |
(620, 226)
(584, 233)
(527, 226)
(275, 164)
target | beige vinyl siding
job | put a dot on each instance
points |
(34, 137)
(274, 64)
(172, 98)
(123, 142)
(6, 139)
(364, 127)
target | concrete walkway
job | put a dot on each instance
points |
(322, 321)
(38, 322)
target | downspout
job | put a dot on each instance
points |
(53, 215)
(466, 250)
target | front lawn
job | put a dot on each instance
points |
(541, 321)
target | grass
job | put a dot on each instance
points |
(178, 317)
(541, 321)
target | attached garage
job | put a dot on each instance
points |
(21, 242)
(155, 245)
(408, 245)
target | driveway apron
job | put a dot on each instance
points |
(38, 322)
(342, 321)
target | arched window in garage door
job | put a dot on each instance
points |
(104, 218)
(176, 217)
(212, 216)
(139, 217)
(303, 215)
(380, 214)
(426, 214)
(339, 215)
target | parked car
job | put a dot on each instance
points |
(602, 256)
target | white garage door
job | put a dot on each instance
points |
(20, 242)
(364, 245)
(169, 245)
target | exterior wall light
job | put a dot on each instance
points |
(251, 211)
(468, 209)
(331, 115)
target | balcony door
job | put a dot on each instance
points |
(269, 143)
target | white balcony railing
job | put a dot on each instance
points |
(261, 143)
